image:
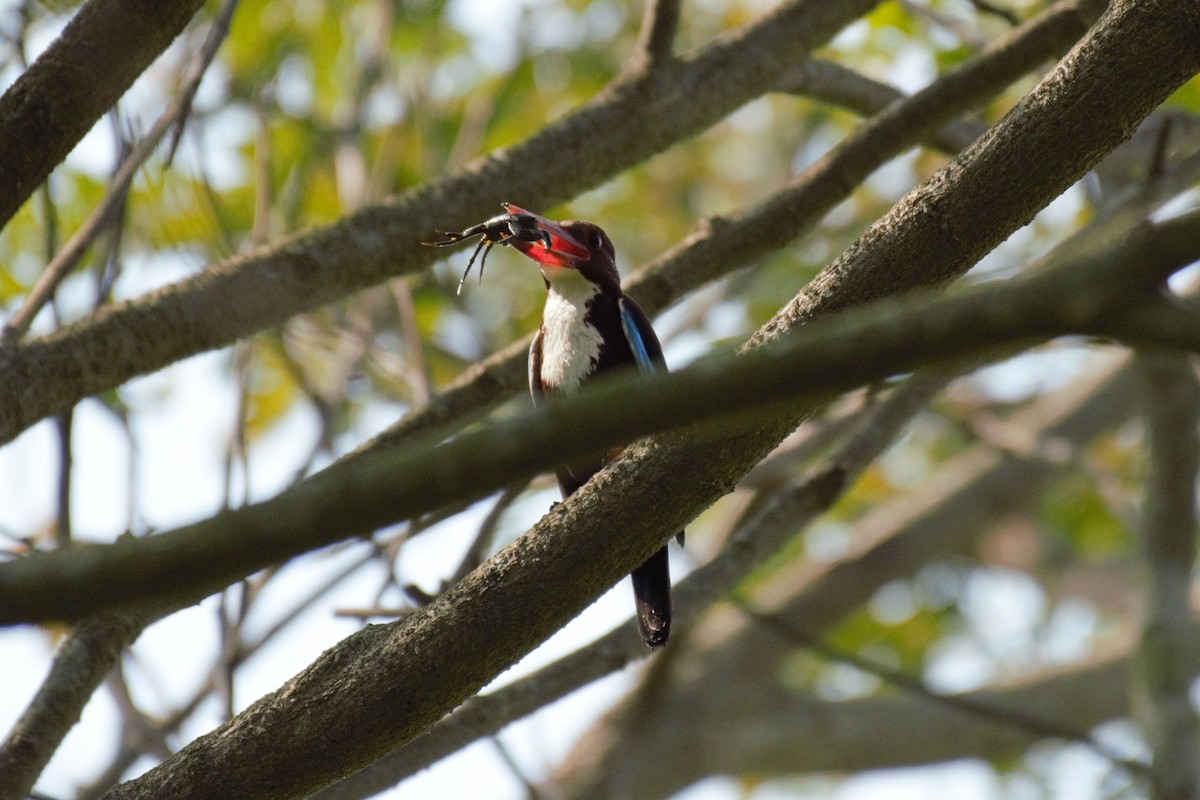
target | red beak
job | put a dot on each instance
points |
(556, 249)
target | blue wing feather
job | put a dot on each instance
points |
(649, 356)
(642, 341)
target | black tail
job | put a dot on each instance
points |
(652, 592)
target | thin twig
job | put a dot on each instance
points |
(249, 647)
(1008, 15)
(67, 258)
(956, 27)
(324, 408)
(531, 790)
(792, 631)
(139, 732)
(1158, 160)
(64, 422)
(63, 425)
(217, 33)
(236, 452)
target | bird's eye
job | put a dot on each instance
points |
(594, 240)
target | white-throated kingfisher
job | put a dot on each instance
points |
(590, 327)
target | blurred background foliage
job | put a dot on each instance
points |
(313, 109)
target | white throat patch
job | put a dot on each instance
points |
(570, 348)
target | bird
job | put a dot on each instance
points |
(590, 327)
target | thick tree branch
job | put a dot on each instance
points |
(816, 191)
(500, 596)
(1016, 165)
(1166, 659)
(100, 53)
(637, 116)
(895, 539)
(1153, 46)
(892, 541)
(748, 548)
(357, 496)
(719, 245)
(913, 244)
(988, 172)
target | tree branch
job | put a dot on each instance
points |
(833, 355)
(435, 657)
(1030, 722)
(1166, 659)
(719, 245)
(767, 729)
(86, 656)
(892, 541)
(59, 98)
(501, 596)
(895, 539)
(832, 83)
(1016, 166)
(68, 257)
(660, 21)
(637, 116)
(748, 548)
(816, 191)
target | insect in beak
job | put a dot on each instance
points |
(559, 248)
(517, 225)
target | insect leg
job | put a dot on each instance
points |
(483, 261)
(467, 271)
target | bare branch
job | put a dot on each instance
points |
(767, 729)
(85, 657)
(114, 197)
(748, 548)
(892, 541)
(498, 602)
(1166, 660)
(628, 122)
(1027, 721)
(720, 245)
(991, 174)
(819, 188)
(449, 628)
(846, 350)
(832, 83)
(476, 553)
(60, 97)
(1005, 14)
(217, 34)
